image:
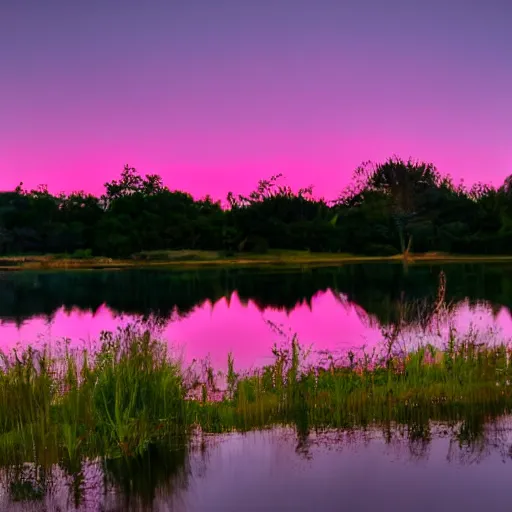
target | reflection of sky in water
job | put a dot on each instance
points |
(329, 323)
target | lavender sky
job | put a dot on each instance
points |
(215, 94)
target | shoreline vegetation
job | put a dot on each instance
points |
(173, 259)
(397, 207)
(131, 395)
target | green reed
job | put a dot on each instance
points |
(130, 396)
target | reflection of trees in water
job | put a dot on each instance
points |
(383, 294)
(429, 319)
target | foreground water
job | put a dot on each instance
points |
(211, 312)
(436, 467)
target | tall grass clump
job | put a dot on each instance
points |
(138, 393)
(27, 392)
(128, 395)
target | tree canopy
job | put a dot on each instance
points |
(390, 207)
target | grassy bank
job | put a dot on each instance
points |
(210, 258)
(131, 395)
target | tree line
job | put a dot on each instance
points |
(390, 207)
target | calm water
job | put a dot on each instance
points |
(460, 465)
(211, 312)
(435, 467)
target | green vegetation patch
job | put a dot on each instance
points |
(131, 395)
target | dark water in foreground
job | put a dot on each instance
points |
(214, 311)
(445, 468)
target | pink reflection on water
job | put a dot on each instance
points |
(244, 330)
(80, 327)
(213, 330)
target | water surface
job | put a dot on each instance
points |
(462, 463)
(213, 311)
(392, 467)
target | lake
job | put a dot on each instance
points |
(453, 456)
(210, 312)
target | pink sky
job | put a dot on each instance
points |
(216, 95)
(326, 162)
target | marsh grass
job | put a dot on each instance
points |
(130, 395)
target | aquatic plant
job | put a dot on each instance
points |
(131, 394)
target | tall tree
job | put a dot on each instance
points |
(403, 182)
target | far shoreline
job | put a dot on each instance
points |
(208, 259)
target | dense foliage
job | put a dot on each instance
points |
(391, 207)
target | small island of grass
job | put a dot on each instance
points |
(131, 394)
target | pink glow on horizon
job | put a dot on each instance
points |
(325, 161)
(214, 96)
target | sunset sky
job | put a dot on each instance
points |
(215, 94)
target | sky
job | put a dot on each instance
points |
(214, 95)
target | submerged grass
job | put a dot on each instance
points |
(131, 395)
